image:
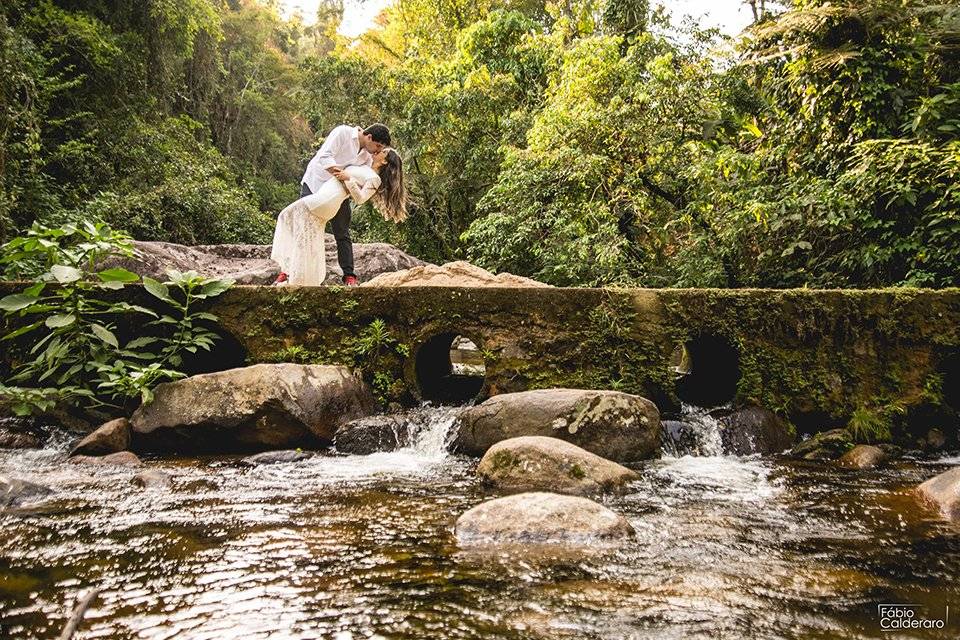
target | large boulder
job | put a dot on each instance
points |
(15, 492)
(451, 274)
(613, 425)
(754, 430)
(251, 263)
(264, 406)
(943, 493)
(244, 263)
(538, 518)
(370, 435)
(535, 463)
(863, 456)
(371, 260)
(111, 437)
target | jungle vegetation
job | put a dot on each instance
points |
(579, 142)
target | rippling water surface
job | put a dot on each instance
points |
(361, 547)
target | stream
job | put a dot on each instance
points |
(350, 547)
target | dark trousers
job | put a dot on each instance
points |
(340, 226)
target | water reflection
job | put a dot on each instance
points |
(361, 547)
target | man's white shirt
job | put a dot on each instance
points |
(340, 149)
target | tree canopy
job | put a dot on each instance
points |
(582, 142)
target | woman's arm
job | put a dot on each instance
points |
(361, 193)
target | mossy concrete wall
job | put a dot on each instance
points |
(816, 357)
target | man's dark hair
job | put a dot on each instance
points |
(379, 133)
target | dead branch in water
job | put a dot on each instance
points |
(77, 616)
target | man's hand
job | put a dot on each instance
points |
(339, 173)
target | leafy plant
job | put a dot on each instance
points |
(868, 425)
(373, 351)
(76, 354)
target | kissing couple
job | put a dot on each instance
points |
(353, 164)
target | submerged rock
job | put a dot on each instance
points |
(943, 492)
(753, 430)
(277, 457)
(15, 492)
(538, 518)
(275, 406)
(614, 425)
(827, 445)
(370, 435)
(863, 456)
(121, 458)
(111, 437)
(451, 274)
(536, 463)
(678, 437)
(153, 479)
(18, 440)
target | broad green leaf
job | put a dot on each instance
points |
(118, 274)
(140, 342)
(157, 289)
(17, 301)
(64, 273)
(105, 334)
(35, 289)
(22, 330)
(61, 320)
(216, 287)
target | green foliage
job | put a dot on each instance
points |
(176, 188)
(375, 351)
(579, 142)
(68, 329)
(869, 426)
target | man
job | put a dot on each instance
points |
(344, 146)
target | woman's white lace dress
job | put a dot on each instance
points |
(298, 240)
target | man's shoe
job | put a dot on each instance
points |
(281, 279)
(350, 281)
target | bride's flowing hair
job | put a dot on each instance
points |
(391, 198)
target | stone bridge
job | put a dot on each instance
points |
(814, 356)
(817, 357)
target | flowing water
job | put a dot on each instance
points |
(351, 547)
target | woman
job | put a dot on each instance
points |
(298, 241)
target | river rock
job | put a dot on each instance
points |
(613, 425)
(277, 457)
(827, 445)
(370, 435)
(18, 440)
(943, 492)
(863, 456)
(111, 437)
(15, 492)
(536, 463)
(251, 263)
(265, 406)
(753, 430)
(121, 458)
(451, 274)
(678, 437)
(153, 479)
(537, 518)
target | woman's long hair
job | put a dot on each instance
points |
(391, 198)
